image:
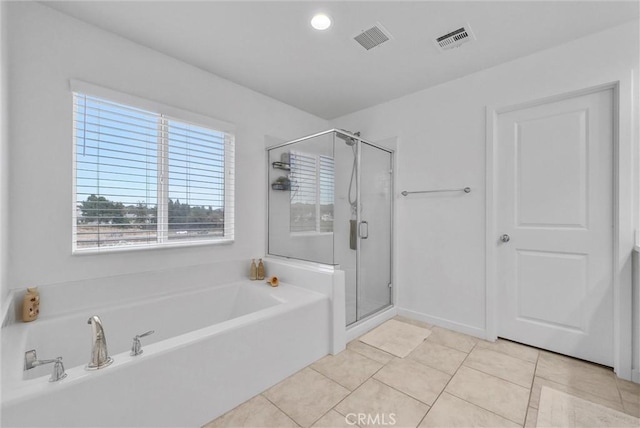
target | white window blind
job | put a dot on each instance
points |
(312, 184)
(325, 193)
(146, 179)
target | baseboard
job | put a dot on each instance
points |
(635, 375)
(445, 323)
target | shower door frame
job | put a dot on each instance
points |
(359, 220)
(360, 141)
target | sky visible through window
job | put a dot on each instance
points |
(118, 149)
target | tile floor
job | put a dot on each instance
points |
(418, 375)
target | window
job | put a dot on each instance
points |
(146, 179)
(311, 193)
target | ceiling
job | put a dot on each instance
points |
(271, 48)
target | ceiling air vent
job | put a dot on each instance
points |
(455, 38)
(374, 36)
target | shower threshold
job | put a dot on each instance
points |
(370, 321)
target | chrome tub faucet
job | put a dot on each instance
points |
(99, 355)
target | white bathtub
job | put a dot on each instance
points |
(213, 348)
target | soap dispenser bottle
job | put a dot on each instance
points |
(31, 305)
(253, 273)
(260, 270)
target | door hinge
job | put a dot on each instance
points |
(390, 285)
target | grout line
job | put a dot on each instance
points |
(444, 389)
(480, 407)
(321, 416)
(509, 356)
(488, 348)
(587, 365)
(435, 368)
(501, 378)
(533, 380)
(597, 399)
(622, 400)
(471, 368)
(580, 360)
(332, 380)
(377, 349)
(277, 407)
(496, 376)
(619, 393)
(451, 347)
(383, 365)
(451, 378)
(231, 410)
(336, 382)
(350, 392)
(603, 399)
(343, 398)
(309, 367)
(377, 380)
(405, 394)
(348, 395)
(372, 377)
(369, 358)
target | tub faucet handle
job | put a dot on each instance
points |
(31, 361)
(136, 347)
(58, 371)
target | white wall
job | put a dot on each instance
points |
(441, 130)
(4, 149)
(49, 48)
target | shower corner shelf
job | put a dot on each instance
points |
(278, 186)
(281, 165)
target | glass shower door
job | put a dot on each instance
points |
(374, 230)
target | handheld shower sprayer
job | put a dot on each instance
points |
(353, 199)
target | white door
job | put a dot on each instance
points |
(555, 210)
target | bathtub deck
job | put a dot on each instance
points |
(447, 379)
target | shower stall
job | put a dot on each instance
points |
(331, 202)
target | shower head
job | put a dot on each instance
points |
(350, 141)
(347, 139)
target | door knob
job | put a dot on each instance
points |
(505, 238)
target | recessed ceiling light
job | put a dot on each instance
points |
(321, 21)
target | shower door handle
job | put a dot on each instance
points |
(363, 226)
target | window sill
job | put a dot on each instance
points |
(130, 248)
